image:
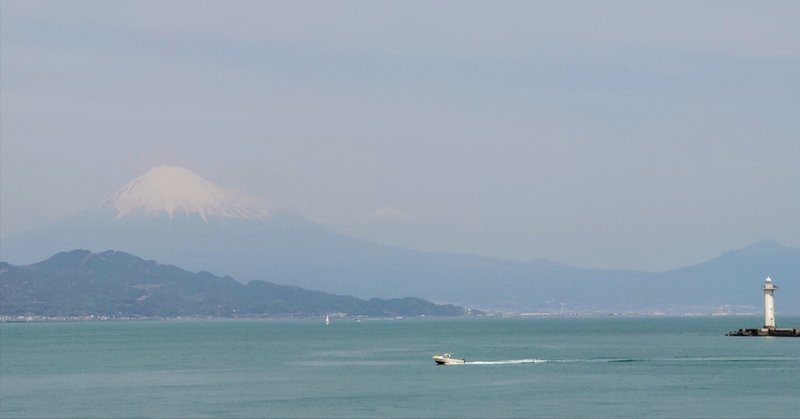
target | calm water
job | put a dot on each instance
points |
(522, 367)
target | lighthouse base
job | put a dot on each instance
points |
(765, 332)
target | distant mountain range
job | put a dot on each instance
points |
(177, 217)
(116, 284)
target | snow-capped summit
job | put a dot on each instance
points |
(174, 190)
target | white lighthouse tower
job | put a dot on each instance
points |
(769, 304)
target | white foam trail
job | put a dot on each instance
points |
(509, 361)
(626, 360)
(542, 361)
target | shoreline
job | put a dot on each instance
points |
(340, 317)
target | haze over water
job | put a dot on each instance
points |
(503, 149)
(626, 134)
(543, 367)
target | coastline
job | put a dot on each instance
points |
(348, 317)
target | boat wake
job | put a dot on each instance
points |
(509, 361)
(543, 361)
(626, 360)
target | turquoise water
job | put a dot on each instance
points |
(575, 367)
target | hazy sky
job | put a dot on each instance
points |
(637, 134)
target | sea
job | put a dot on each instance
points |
(516, 367)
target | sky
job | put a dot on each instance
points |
(604, 134)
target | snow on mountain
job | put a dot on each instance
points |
(174, 190)
(286, 248)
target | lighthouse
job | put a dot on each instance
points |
(769, 317)
(769, 304)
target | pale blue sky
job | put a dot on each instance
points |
(634, 134)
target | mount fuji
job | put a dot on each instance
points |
(169, 190)
(174, 216)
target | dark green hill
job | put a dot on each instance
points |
(80, 283)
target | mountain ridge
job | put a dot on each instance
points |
(696, 288)
(117, 284)
(288, 249)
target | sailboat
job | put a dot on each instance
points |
(327, 320)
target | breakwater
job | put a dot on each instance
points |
(765, 332)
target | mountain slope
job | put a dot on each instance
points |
(190, 223)
(737, 276)
(111, 283)
(287, 250)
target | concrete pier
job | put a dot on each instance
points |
(766, 332)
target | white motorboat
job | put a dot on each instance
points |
(446, 359)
